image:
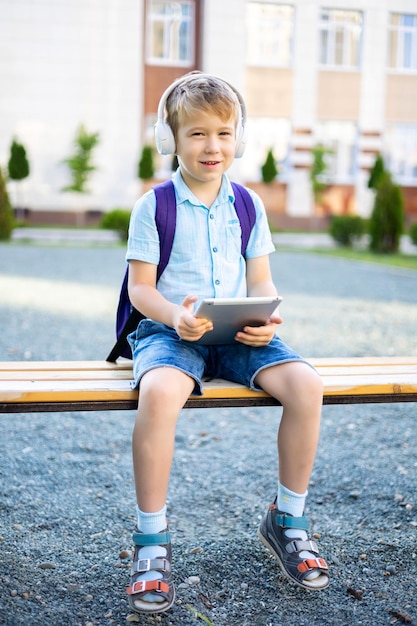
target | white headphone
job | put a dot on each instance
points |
(164, 137)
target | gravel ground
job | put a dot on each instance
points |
(66, 488)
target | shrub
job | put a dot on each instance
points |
(318, 170)
(387, 219)
(376, 172)
(145, 168)
(345, 229)
(6, 214)
(413, 233)
(18, 165)
(80, 163)
(269, 168)
(117, 220)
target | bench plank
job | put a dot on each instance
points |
(99, 385)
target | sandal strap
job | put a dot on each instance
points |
(310, 564)
(146, 565)
(288, 521)
(158, 539)
(297, 545)
(141, 586)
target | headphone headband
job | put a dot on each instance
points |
(164, 137)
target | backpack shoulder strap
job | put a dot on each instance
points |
(127, 316)
(246, 213)
(166, 221)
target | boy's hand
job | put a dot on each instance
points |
(258, 336)
(187, 326)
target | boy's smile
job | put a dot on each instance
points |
(205, 149)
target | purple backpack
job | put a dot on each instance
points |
(128, 317)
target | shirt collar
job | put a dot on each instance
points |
(185, 194)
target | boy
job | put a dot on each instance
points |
(201, 119)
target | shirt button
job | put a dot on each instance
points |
(217, 282)
(214, 249)
(211, 216)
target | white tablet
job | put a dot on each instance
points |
(229, 315)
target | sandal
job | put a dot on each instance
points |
(151, 589)
(298, 556)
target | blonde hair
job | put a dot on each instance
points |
(201, 92)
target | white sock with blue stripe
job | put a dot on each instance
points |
(150, 523)
(291, 502)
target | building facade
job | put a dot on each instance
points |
(340, 75)
(64, 63)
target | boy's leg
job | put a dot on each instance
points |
(163, 393)
(284, 530)
(299, 389)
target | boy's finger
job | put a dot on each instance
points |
(189, 301)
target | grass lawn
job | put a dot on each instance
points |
(407, 261)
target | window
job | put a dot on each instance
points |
(401, 152)
(265, 133)
(340, 38)
(341, 138)
(269, 30)
(170, 33)
(402, 52)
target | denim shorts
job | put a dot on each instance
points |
(156, 345)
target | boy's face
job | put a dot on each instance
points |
(205, 147)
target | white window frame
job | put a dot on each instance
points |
(342, 139)
(400, 152)
(402, 43)
(269, 36)
(340, 38)
(267, 133)
(170, 25)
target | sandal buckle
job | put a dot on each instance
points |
(322, 563)
(309, 564)
(143, 565)
(138, 587)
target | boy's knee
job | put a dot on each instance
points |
(166, 386)
(310, 383)
(298, 382)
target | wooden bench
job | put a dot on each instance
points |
(37, 386)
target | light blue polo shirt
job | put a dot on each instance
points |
(206, 258)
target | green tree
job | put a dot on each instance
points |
(269, 168)
(376, 172)
(386, 224)
(80, 163)
(413, 233)
(6, 215)
(318, 170)
(145, 167)
(18, 165)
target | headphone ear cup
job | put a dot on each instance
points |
(241, 140)
(164, 138)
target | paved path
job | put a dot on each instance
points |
(99, 236)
